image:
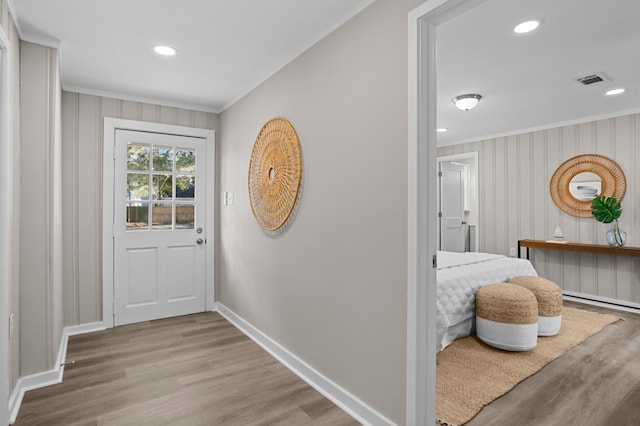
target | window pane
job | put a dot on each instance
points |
(162, 158)
(185, 160)
(185, 187)
(137, 216)
(162, 216)
(137, 186)
(137, 156)
(162, 187)
(185, 216)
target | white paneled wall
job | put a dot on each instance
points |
(514, 202)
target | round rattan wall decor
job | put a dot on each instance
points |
(275, 171)
(614, 183)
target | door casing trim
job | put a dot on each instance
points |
(110, 127)
(6, 222)
(421, 205)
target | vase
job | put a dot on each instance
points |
(616, 237)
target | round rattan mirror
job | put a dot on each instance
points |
(275, 171)
(568, 186)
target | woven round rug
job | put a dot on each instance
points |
(275, 171)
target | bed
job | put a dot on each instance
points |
(459, 276)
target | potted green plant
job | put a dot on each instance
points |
(607, 210)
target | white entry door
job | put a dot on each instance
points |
(159, 226)
(452, 235)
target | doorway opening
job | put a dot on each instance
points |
(464, 197)
(422, 206)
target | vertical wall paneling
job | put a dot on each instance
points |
(512, 188)
(82, 139)
(40, 209)
(70, 181)
(514, 202)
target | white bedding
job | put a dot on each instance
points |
(460, 275)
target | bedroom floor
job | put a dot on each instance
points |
(596, 383)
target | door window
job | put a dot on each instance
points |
(160, 187)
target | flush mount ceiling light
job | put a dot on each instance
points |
(466, 102)
(526, 26)
(613, 92)
(164, 50)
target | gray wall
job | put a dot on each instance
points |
(332, 287)
(514, 175)
(82, 147)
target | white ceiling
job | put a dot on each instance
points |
(527, 80)
(225, 47)
(228, 47)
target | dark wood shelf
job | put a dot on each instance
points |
(579, 247)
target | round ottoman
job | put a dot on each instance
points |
(549, 298)
(507, 317)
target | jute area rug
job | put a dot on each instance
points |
(471, 374)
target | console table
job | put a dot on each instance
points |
(579, 247)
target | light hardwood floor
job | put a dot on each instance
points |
(597, 383)
(200, 370)
(192, 370)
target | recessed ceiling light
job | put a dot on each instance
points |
(526, 26)
(164, 50)
(442, 130)
(615, 91)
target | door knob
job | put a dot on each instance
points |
(200, 241)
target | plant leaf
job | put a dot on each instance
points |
(606, 210)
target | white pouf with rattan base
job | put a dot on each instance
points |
(507, 317)
(549, 297)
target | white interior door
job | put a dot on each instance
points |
(452, 230)
(159, 226)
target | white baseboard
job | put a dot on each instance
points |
(603, 302)
(49, 377)
(334, 392)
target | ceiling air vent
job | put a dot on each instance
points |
(590, 80)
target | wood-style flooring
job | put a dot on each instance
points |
(200, 370)
(597, 383)
(191, 370)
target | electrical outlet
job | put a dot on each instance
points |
(512, 252)
(10, 326)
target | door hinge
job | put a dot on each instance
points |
(440, 214)
(439, 174)
(435, 261)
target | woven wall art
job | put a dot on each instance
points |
(275, 171)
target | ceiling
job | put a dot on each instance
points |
(225, 48)
(228, 47)
(527, 80)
